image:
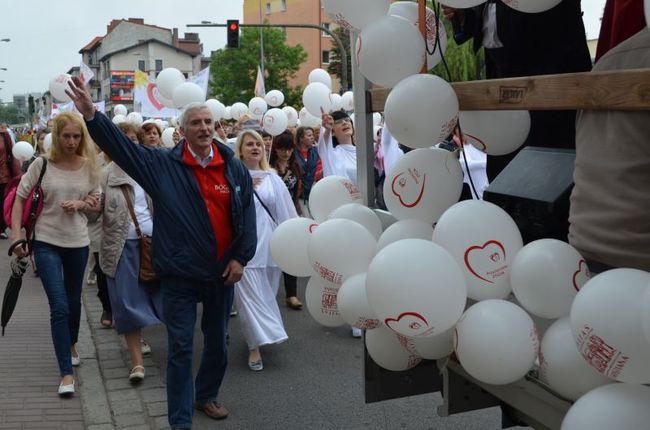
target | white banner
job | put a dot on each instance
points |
(58, 108)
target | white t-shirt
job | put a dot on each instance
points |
(142, 213)
(340, 160)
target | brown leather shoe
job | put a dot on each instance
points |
(213, 409)
(294, 303)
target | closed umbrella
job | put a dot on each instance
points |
(18, 267)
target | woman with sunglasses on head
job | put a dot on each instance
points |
(284, 161)
(336, 146)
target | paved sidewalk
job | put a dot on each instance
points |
(29, 374)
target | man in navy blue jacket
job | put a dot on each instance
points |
(204, 234)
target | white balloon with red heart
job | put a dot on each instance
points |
(416, 288)
(390, 350)
(607, 324)
(292, 115)
(435, 347)
(340, 248)
(495, 132)
(389, 50)
(496, 342)
(275, 121)
(274, 98)
(421, 110)
(329, 194)
(257, 107)
(546, 275)
(405, 229)
(289, 244)
(355, 15)
(353, 303)
(532, 6)
(423, 184)
(435, 28)
(58, 86)
(322, 302)
(361, 214)
(237, 110)
(316, 98)
(562, 367)
(484, 240)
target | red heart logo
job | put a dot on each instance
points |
(401, 183)
(151, 89)
(312, 227)
(411, 322)
(488, 258)
(584, 270)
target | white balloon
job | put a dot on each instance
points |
(391, 350)
(237, 110)
(168, 103)
(409, 11)
(355, 15)
(274, 98)
(329, 193)
(316, 99)
(337, 102)
(218, 109)
(416, 288)
(495, 132)
(612, 406)
(496, 342)
(168, 137)
(484, 241)
(58, 85)
(421, 111)
(307, 119)
(561, 365)
(159, 124)
(532, 6)
(348, 101)
(353, 303)
(376, 119)
(322, 302)
(423, 184)
(120, 110)
(320, 75)
(292, 115)
(135, 118)
(435, 347)
(340, 248)
(289, 244)
(47, 142)
(275, 121)
(607, 324)
(186, 93)
(257, 107)
(22, 151)
(227, 113)
(389, 50)
(168, 80)
(361, 214)
(405, 229)
(463, 4)
(546, 275)
(118, 119)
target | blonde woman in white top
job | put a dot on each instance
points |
(70, 190)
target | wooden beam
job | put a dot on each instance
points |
(617, 90)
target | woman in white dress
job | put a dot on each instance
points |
(255, 294)
(336, 146)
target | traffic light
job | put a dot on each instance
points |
(233, 33)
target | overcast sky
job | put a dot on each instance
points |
(46, 35)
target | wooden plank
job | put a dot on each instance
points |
(617, 90)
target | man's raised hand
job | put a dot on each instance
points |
(81, 98)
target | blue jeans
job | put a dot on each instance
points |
(62, 270)
(180, 297)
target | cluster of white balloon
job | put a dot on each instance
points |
(167, 128)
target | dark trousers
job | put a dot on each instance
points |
(290, 285)
(102, 285)
(180, 297)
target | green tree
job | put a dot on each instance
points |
(10, 114)
(463, 64)
(234, 71)
(335, 66)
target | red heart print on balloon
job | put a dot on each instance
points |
(581, 276)
(488, 261)
(409, 323)
(406, 184)
(151, 93)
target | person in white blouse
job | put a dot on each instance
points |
(336, 146)
(255, 293)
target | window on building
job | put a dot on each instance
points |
(159, 66)
(141, 65)
(325, 57)
(327, 26)
(283, 5)
(268, 8)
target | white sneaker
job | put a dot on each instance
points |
(76, 361)
(66, 390)
(145, 347)
(92, 278)
(357, 332)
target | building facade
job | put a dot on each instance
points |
(317, 44)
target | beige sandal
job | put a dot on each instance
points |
(137, 375)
